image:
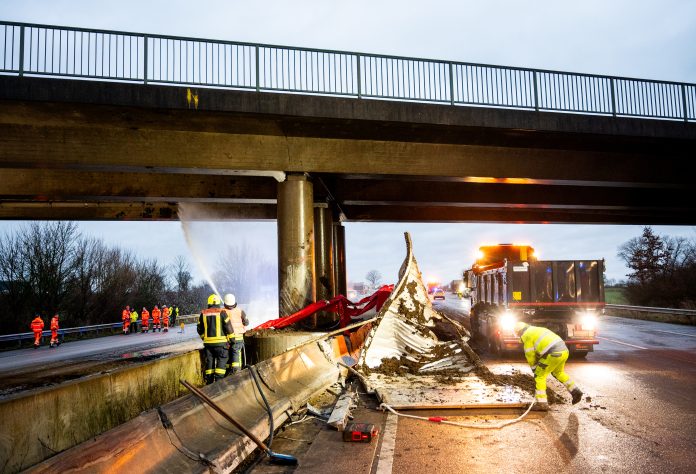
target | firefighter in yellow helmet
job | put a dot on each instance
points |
(547, 354)
(214, 328)
(239, 321)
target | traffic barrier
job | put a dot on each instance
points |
(664, 315)
(39, 423)
(186, 436)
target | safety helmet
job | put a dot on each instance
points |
(213, 300)
(520, 327)
(230, 300)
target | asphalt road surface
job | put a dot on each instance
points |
(640, 417)
(29, 368)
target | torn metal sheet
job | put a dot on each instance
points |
(408, 367)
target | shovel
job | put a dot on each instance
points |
(275, 458)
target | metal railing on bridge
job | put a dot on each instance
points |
(45, 50)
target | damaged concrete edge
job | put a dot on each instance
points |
(186, 436)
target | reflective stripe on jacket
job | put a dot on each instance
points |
(538, 342)
(214, 327)
(37, 325)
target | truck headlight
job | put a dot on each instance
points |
(588, 322)
(507, 322)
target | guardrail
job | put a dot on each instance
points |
(187, 319)
(82, 53)
(667, 315)
(649, 309)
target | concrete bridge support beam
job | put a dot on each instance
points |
(340, 259)
(324, 261)
(296, 271)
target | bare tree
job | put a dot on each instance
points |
(373, 277)
(181, 271)
(245, 271)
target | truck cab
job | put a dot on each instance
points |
(566, 296)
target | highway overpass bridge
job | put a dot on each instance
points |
(314, 138)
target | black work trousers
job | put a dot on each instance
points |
(215, 362)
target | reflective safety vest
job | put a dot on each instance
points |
(145, 316)
(540, 342)
(54, 324)
(237, 318)
(134, 317)
(214, 327)
(156, 314)
(37, 324)
(125, 314)
(165, 315)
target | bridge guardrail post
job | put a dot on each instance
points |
(451, 81)
(21, 51)
(359, 73)
(258, 70)
(683, 94)
(145, 59)
(613, 97)
(536, 93)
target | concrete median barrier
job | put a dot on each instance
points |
(40, 423)
(187, 436)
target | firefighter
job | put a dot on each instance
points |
(134, 321)
(156, 314)
(165, 318)
(214, 329)
(37, 326)
(125, 317)
(54, 332)
(239, 320)
(145, 317)
(547, 354)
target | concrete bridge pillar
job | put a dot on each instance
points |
(341, 283)
(296, 270)
(324, 261)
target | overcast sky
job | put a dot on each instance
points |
(637, 38)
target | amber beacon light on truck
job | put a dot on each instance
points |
(508, 283)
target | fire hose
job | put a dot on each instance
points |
(445, 421)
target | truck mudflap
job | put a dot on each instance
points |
(574, 345)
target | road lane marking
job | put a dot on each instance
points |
(672, 332)
(386, 452)
(622, 343)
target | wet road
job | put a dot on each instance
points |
(640, 417)
(641, 381)
(29, 368)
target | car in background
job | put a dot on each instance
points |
(438, 294)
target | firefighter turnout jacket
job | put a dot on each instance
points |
(214, 327)
(238, 319)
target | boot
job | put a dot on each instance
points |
(576, 393)
(541, 406)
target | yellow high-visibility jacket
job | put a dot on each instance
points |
(214, 327)
(540, 342)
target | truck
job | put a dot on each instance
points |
(508, 283)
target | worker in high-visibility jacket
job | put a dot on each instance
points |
(125, 317)
(547, 354)
(156, 314)
(54, 332)
(165, 318)
(214, 329)
(134, 321)
(37, 326)
(145, 317)
(239, 321)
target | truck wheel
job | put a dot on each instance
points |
(494, 345)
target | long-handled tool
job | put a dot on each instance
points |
(276, 458)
